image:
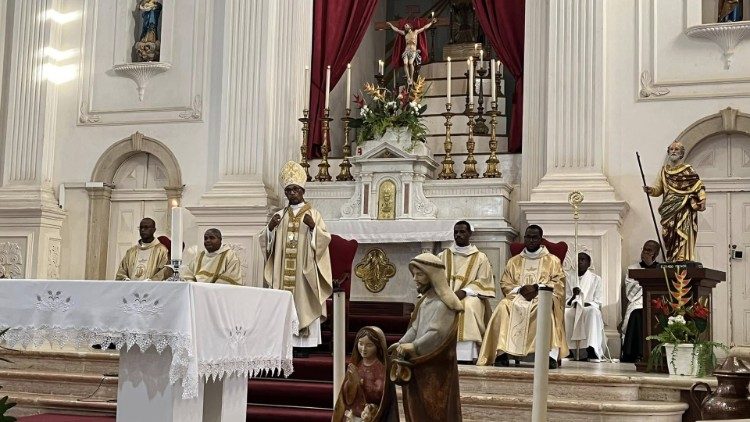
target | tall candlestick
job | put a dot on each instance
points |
(348, 84)
(470, 62)
(176, 232)
(449, 81)
(381, 66)
(306, 84)
(492, 80)
(328, 84)
(481, 59)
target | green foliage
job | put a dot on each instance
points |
(387, 109)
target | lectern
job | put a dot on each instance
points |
(654, 284)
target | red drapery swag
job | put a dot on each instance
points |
(503, 24)
(338, 29)
(400, 43)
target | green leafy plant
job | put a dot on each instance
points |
(682, 322)
(387, 109)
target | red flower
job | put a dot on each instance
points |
(404, 96)
(359, 100)
(660, 306)
(700, 311)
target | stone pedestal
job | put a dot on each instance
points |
(654, 284)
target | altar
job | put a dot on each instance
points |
(186, 349)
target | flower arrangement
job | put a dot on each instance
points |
(682, 322)
(388, 109)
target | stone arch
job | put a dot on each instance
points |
(100, 193)
(726, 121)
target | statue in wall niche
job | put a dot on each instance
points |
(683, 196)
(367, 394)
(147, 48)
(730, 10)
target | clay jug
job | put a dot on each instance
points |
(730, 400)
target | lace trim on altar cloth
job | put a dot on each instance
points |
(180, 344)
(251, 366)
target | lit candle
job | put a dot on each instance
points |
(470, 63)
(176, 231)
(432, 15)
(381, 67)
(481, 59)
(492, 80)
(328, 84)
(348, 84)
(307, 88)
(449, 81)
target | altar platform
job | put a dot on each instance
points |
(85, 384)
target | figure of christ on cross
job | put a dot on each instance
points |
(411, 55)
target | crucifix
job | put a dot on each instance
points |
(411, 55)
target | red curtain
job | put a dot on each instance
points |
(503, 24)
(400, 43)
(338, 29)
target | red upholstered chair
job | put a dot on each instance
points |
(342, 252)
(559, 249)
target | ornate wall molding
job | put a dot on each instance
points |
(11, 260)
(53, 259)
(648, 89)
(728, 120)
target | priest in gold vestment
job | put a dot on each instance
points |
(217, 264)
(470, 277)
(512, 328)
(683, 197)
(148, 259)
(296, 246)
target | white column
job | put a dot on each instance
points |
(565, 138)
(266, 44)
(28, 208)
(261, 50)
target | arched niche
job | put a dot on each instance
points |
(100, 193)
(727, 121)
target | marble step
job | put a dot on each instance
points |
(513, 408)
(82, 386)
(34, 404)
(94, 362)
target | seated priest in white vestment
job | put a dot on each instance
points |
(148, 259)
(217, 264)
(296, 246)
(470, 277)
(584, 325)
(512, 328)
(632, 322)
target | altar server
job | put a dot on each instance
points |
(632, 322)
(148, 259)
(217, 264)
(584, 326)
(295, 243)
(470, 277)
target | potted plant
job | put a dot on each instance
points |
(682, 323)
(398, 112)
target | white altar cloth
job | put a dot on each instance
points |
(393, 231)
(214, 330)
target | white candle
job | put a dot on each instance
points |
(381, 67)
(481, 59)
(492, 80)
(470, 63)
(449, 81)
(306, 85)
(176, 231)
(348, 84)
(328, 85)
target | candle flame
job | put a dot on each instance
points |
(174, 202)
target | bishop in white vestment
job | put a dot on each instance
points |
(295, 243)
(470, 277)
(584, 326)
(217, 264)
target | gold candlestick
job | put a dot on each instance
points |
(323, 175)
(470, 164)
(346, 166)
(447, 172)
(492, 162)
(305, 137)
